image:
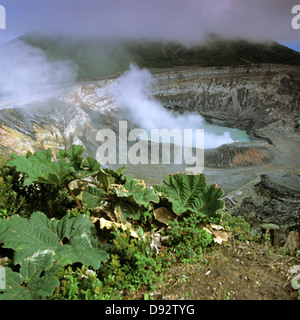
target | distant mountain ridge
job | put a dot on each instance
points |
(102, 57)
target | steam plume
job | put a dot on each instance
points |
(132, 94)
(25, 70)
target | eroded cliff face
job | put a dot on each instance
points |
(248, 98)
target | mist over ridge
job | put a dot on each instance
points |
(98, 38)
(186, 22)
(34, 62)
(99, 57)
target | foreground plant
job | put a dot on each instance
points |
(128, 207)
(122, 197)
(190, 193)
(188, 238)
(35, 280)
(41, 245)
(72, 237)
(69, 166)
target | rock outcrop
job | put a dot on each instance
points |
(275, 199)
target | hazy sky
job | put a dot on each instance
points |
(182, 20)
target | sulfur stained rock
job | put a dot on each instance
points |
(237, 154)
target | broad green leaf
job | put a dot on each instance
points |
(14, 290)
(38, 166)
(191, 193)
(141, 194)
(3, 227)
(125, 210)
(105, 179)
(35, 280)
(94, 197)
(41, 168)
(117, 174)
(145, 197)
(76, 160)
(74, 154)
(91, 165)
(72, 237)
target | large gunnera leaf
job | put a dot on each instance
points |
(74, 238)
(137, 191)
(94, 197)
(41, 168)
(35, 280)
(130, 199)
(191, 193)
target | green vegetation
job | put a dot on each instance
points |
(188, 238)
(189, 193)
(98, 242)
(73, 238)
(35, 279)
(70, 166)
(241, 230)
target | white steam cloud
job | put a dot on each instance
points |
(132, 94)
(25, 70)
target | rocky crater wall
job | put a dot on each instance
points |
(248, 98)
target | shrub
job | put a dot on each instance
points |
(17, 198)
(131, 263)
(188, 238)
(10, 200)
(241, 229)
(79, 283)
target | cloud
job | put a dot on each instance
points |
(181, 20)
(25, 70)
